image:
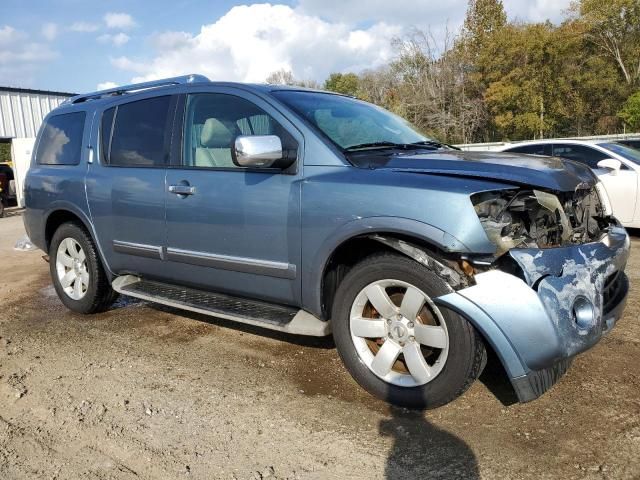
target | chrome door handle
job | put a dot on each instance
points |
(182, 189)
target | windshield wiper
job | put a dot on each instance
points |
(374, 145)
(434, 143)
(385, 144)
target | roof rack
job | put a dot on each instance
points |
(184, 79)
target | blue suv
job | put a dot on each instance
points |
(314, 213)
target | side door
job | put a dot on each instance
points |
(237, 230)
(126, 182)
(621, 187)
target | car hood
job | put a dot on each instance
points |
(542, 172)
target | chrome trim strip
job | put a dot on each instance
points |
(138, 249)
(236, 264)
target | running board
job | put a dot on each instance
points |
(252, 312)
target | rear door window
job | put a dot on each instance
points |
(579, 153)
(140, 133)
(61, 140)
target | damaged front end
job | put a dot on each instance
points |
(555, 285)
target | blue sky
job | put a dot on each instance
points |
(78, 45)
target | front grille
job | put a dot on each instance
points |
(613, 292)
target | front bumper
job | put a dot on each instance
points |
(559, 304)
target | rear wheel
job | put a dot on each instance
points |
(76, 271)
(396, 342)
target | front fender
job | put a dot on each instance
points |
(315, 267)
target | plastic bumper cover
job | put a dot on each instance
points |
(569, 298)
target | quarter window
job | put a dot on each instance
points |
(61, 140)
(139, 133)
(212, 123)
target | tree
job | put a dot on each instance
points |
(285, 77)
(614, 26)
(483, 19)
(346, 83)
(630, 112)
(281, 77)
(430, 88)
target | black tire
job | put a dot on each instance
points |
(99, 295)
(1, 208)
(466, 356)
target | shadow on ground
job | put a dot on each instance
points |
(422, 450)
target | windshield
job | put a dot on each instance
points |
(624, 151)
(350, 123)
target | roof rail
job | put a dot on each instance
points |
(184, 79)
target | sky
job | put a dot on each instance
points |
(83, 45)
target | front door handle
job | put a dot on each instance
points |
(182, 189)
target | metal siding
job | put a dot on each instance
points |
(21, 113)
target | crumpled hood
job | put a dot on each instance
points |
(543, 172)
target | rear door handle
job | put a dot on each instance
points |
(182, 189)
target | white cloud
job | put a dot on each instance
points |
(49, 31)
(106, 85)
(119, 20)
(84, 27)
(250, 42)
(117, 39)
(20, 57)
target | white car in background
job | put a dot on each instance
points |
(616, 165)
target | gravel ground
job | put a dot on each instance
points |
(149, 392)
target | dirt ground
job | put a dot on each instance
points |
(148, 392)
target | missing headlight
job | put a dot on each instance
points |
(538, 219)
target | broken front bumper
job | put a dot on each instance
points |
(560, 304)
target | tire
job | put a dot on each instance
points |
(1, 208)
(77, 260)
(452, 363)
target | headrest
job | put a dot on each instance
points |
(215, 134)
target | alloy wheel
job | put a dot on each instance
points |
(399, 333)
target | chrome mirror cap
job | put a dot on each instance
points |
(258, 151)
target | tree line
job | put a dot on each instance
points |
(498, 80)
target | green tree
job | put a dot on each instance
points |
(614, 27)
(630, 112)
(483, 19)
(346, 83)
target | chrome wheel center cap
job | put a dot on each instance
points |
(398, 331)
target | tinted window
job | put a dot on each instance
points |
(61, 140)
(539, 149)
(212, 123)
(139, 133)
(630, 143)
(105, 133)
(579, 153)
(624, 151)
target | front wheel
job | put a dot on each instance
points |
(396, 342)
(76, 271)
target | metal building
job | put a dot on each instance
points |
(22, 110)
(21, 113)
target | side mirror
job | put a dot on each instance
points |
(258, 151)
(610, 164)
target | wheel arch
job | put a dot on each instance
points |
(359, 239)
(60, 214)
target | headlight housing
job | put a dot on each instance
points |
(521, 218)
